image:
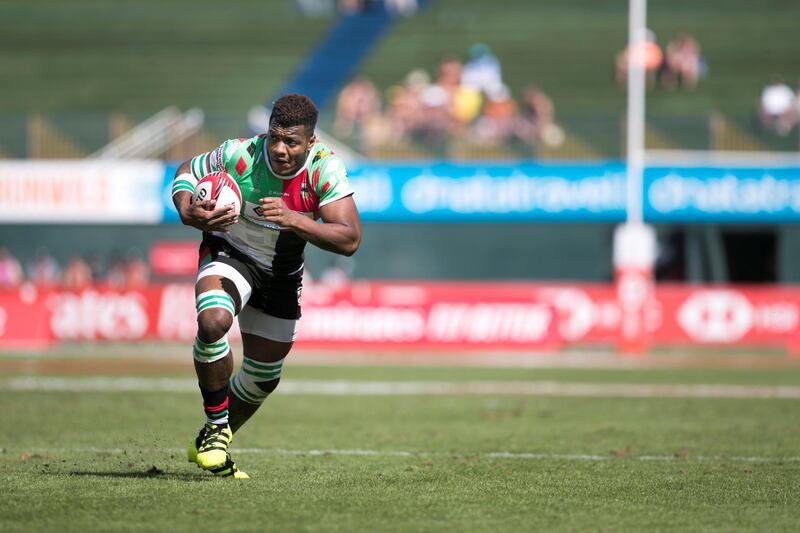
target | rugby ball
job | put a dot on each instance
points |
(221, 187)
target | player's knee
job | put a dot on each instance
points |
(215, 311)
(213, 323)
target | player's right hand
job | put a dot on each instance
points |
(203, 216)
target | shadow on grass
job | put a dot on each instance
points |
(152, 473)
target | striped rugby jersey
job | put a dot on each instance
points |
(320, 181)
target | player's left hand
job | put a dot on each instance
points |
(275, 210)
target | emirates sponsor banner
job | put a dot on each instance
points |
(359, 315)
(81, 191)
(458, 316)
(454, 316)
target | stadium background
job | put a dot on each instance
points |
(436, 282)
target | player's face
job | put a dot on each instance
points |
(288, 148)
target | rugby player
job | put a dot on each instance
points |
(251, 262)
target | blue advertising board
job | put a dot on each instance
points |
(170, 214)
(592, 192)
(716, 194)
(446, 192)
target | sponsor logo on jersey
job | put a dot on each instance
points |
(253, 213)
(319, 155)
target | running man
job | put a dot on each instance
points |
(251, 263)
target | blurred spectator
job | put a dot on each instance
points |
(404, 8)
(438, 99)
(352, 7)
(537, 118)
(77, 274)
(405, 112)
(482, 71)
(466, 107)
(96, 266)
(777, 109)
(11, 275)
(116, 275)
(358, 102)
(497, 121)
(450, 70)
(683, 65)
(43, 270)
(650, 57)
(137, 272)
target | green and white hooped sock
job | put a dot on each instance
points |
(208, 352)
(245, 383)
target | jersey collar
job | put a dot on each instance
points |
(302, 169)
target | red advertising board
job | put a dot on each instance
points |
(450, 316)
(170, 258)
(24, 319)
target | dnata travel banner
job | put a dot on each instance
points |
(590, 192)
(447, 192)
(720, 195)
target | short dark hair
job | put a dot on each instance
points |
(294, 110)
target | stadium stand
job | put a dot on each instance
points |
(338, 54)
(67, 65)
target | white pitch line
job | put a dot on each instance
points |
(524, 456)
(414, 388)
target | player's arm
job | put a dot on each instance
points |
(200, 215)
(339, 232)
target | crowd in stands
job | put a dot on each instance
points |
(77, 273)
(679, 65)
(464, 100)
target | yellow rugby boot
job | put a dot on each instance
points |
(191, 451)
(210, 448)
(229, 469)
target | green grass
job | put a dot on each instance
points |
(137, 478)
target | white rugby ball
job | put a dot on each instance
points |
(221, 187)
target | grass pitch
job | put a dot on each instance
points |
(78, 455)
